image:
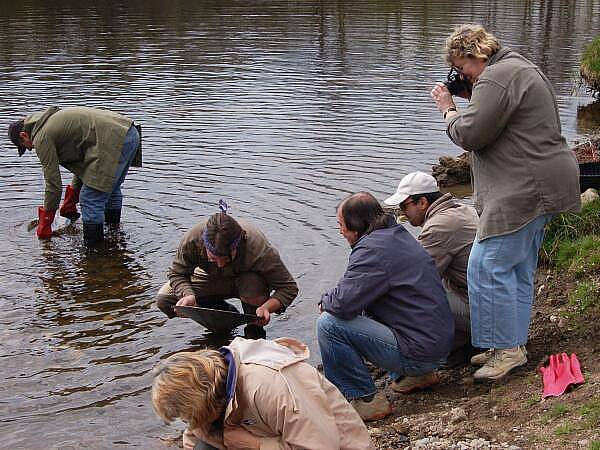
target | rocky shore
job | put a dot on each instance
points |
(460, 414)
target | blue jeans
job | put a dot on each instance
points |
(94, 202)
(500, 276)
(344, 344)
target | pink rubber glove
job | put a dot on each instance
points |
(562, 372)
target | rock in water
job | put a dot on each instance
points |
(453, 171)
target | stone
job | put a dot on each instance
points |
(457, 415)
(480, 444)
(589, 196)
(402, 428)
(453, 171)
(376, 432)
(424, 443)
(541, 288)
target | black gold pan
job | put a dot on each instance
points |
(214, 319)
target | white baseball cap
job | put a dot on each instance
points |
(412, 184)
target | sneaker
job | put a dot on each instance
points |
(410, 384)
(481, 358)
(501, 362)
(376, 409)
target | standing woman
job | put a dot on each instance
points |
(523, 174)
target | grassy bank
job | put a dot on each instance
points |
(572, 248)
(590, 64)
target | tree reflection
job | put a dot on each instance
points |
(99, 296)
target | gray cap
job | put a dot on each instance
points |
(14, 133)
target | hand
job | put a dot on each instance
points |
(188, 300)
(442, 97)
(239, 439)
(263, 314)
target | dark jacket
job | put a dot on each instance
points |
(522, 167)
(392, 279)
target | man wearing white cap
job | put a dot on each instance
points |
(448, 232)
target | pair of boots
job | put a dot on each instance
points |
(93, 233)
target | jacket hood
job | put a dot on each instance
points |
(277, 355)
(36, 121)
(500, 54)
(446, 201)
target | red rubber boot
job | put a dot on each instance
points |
(44, 228)
(69, 206)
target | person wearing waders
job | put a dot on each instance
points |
(97, 146)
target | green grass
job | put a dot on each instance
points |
(563, 430)
(595, 445)
(558, 410)
(572, 247)
(580, 257)
(590, 63)
(586, 295)
(590, 412)
(570, 227)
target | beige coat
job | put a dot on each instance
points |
(522, 167)
(286, 402)
(448, 233)
(255, 254)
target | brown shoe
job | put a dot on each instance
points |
(376, 409)
(410, 384)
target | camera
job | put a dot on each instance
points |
(457, 84)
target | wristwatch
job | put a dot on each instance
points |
(452, 108)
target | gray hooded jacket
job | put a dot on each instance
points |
(522, 167)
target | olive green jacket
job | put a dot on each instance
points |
(522, 167)
(255, 254)
(86, 141)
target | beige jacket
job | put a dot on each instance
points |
(522, 167)
(448, 233)
(255, 254)
(286, 402)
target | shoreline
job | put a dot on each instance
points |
(460, 414)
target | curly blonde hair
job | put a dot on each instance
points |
(190, 386)
(470, 41)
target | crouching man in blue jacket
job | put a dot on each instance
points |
(389, 308)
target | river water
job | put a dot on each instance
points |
(279, 108)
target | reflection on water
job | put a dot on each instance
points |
(280, 108)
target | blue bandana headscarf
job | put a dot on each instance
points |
(209, 245)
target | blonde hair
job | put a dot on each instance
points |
(190, 386)
(470, 41)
